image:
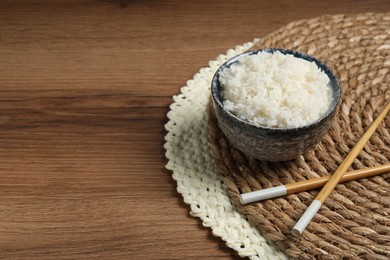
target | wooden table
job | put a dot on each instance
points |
(84, 91)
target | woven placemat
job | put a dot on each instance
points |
(189, 158)
(354, 222)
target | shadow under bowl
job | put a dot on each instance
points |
(273, 144)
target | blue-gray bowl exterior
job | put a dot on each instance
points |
(273, 144)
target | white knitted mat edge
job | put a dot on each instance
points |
(189, 158)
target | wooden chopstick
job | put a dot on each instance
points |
(335, 178)
(310, 184)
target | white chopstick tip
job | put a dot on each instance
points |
(306, 218)
(296, 232)
(260, 195)
(241, 201)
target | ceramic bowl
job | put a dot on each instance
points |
(273, 144)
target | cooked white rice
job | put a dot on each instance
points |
(275, 90)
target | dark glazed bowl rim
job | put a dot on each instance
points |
(334, 84)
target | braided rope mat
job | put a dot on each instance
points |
(354, 222)
(189, 158)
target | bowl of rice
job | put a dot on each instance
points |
(274, 104)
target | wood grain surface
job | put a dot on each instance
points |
(84, 91)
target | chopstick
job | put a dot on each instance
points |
(305, 185)
(335, 178)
